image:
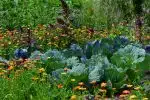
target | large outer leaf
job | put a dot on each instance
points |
(145, 65)
(78, 70)
(96, 74)
(88, 50)
(97, 64)
(116, 76)
(92, 48)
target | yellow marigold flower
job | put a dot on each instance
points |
(40, 38)
(74, 97)
(103, 90)
(137, 88)
(11, 63)
(129, 86)
(41, 70)
(103, 85)
(132, 97)
(73, 80)
(145, 99)
(82, 89)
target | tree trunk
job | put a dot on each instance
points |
(138, 28)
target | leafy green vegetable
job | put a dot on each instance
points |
(128, 56)
(96, 74)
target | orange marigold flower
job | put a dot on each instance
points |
(81, 84)
(10, 68)
(60, 86)
(76, 88)
(103, 85)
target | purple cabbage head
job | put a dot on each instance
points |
(147, 48)
(21, 53)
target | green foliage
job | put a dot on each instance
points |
(50, 64)
(128, 57)
(115, 75)
(73, 61)
(96, 74)
(26, 12)
(138, 6)
(145, 65)
(146, 87)
(97, 60)
(98, 14)
(78, 70)
(23, 87)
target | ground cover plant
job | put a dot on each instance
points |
(74, 50)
